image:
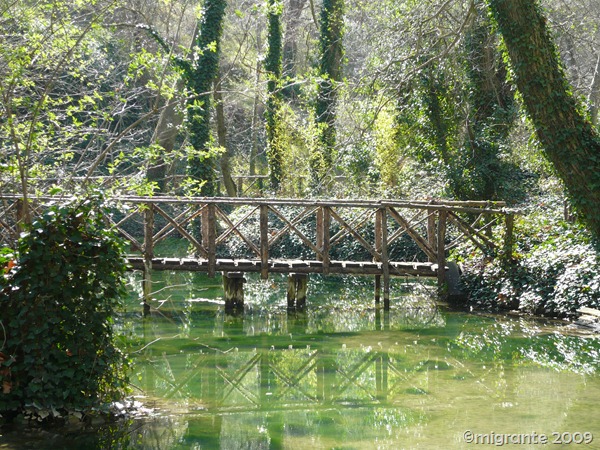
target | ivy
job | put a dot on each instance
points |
(332, 52)
(200, 80)
(59, 294)
(569, 140)
(273, 67)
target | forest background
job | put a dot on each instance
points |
(386, 99)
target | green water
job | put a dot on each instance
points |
(343, 374)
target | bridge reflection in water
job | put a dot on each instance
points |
(351, 377)
(269, 366)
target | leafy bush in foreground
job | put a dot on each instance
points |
(58, 296)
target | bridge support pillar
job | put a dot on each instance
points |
(386, 291)
(233, 287)
(297, 289)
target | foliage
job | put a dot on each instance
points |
(330, 70)
(291, 245)
(200, 77)
(569, 140)
(273, 67)
(58, 303)
(555, 271)
(74, 91)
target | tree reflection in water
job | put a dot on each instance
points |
(344, 372)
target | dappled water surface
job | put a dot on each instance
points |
(344, 374)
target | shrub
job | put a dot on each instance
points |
(555, 271)
(58, 300)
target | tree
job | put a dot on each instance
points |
(200, 78)
(569, 139)
(330, 70)
(490, 116)
(290, 46)
(273, 63)
(73, 94)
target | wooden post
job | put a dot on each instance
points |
(209, 237)
(233, 287)
(323, 236)
(264, 242)
(431, 235)
(297, 289)
(377, 289)
(509, 237)
(148, 255)
(441, 252)
(381, 238)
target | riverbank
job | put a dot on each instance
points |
(554, 271)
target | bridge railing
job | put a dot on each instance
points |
(299, 235)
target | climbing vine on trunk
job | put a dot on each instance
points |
(332, 52)
(569, 140)
(200, 76)
(273, 69)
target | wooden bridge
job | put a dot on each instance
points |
(295, 236)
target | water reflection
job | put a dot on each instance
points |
(343, 373)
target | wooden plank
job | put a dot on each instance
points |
(323, 236)
(308, 267)
(234, 228)
(356, 224)
(470, 232)
(431, 234)
(209, 232)
(589, 311)
(291, 226)
(168, 229)
(148, 253)
(381, 239)
(354, 233)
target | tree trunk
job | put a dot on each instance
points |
(201, 165)
(332, 53)
(165, 135)
(569, 140)
(273, 69)
(222, 139)
(594, 98)
(256, 107)
(290, 46)
(167, 129)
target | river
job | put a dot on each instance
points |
(343, 374)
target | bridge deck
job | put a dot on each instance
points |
(422, 269)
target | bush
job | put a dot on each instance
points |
(58, 297)
(556, 270)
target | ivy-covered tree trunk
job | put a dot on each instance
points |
(273, 68)
(202, 163)
(169, 122)
(569, 140)
(332, 52)
(491, 112)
